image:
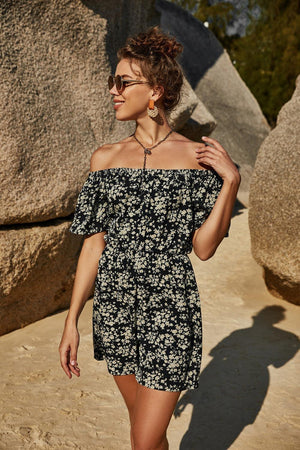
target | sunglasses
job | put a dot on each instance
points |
(121, 84)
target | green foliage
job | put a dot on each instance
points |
(217, 15)
(267, 57)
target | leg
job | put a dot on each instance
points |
(127, 385)
(152, 413)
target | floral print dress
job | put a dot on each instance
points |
(146, 310)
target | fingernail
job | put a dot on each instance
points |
(203, 137)
(73, 363)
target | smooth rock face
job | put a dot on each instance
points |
(56, 108)
(274, 204)
(241, 126)
(37, 273)
(200, 123)
(190, 116)
(51, 117)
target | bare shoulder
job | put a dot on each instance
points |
(101, 158)
(186, 150)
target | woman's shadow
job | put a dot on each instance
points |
(234, 384)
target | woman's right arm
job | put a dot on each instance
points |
(85, 276)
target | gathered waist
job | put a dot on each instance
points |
(140, 252)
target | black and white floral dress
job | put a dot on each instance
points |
(146, 310)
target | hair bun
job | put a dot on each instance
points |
(155, 42)
(167, 47)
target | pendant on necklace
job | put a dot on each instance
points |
(146, 150)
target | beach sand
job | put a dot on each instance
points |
(248, 385)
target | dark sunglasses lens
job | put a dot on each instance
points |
(119, 83)
(110, 82)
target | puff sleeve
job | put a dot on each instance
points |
(91, 212)
(206, 189)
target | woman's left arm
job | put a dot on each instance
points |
(207, 238)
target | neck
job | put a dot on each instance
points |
(149, 132)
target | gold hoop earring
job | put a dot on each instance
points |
(152, 110)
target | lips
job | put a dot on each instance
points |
(118, 104)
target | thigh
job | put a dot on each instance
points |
(127, 385)
(152, 413)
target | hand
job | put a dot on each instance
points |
(68, 350)
(215, 155)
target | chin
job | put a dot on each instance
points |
(127, 115)
(124, 118)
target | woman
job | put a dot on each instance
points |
(142, 211)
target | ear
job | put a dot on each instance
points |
(157, 93)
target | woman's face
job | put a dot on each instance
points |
(135, 97)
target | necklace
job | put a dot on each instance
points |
(147, 151)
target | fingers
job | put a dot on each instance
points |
(214, 155)
(209, 150)
(73, 365)
(64, 357)
(69, 363)
(214, 142)
(210, 153)
(206, 160)
(206, 156)
(68, 351)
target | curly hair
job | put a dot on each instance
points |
(155, 53)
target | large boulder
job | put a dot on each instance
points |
(274, 204)
(56, 108)
(200, 123)
(37, 273)
(241, 126)
(190, 116)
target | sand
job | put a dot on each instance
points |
(248, 383)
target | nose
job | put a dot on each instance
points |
(113, 90)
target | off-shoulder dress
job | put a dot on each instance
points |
(146, 307)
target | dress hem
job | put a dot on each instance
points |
(143, 383)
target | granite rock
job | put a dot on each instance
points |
(274, 204)
(37, 272)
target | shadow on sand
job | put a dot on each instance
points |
(234, 384)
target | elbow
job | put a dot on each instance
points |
(204, 256)
(206, 247)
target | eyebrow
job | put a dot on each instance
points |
(125, 75)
